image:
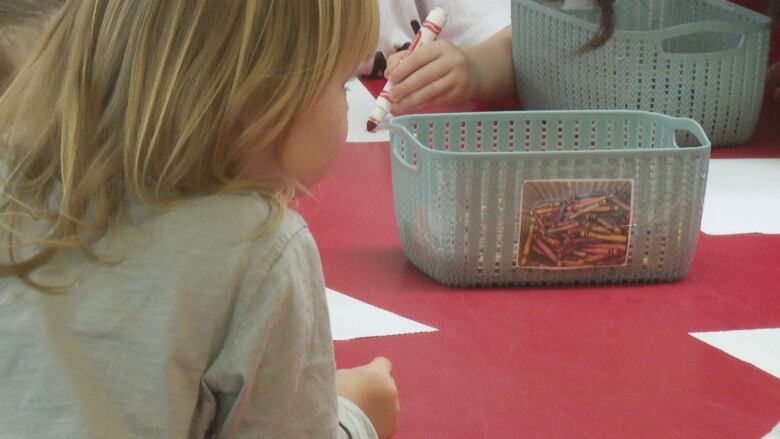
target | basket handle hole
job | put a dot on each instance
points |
(703, 42)
(686, 139)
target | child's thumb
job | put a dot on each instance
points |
(382, 363)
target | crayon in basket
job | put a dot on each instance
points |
(578, 232)
(429, 31)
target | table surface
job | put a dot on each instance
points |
(601, 361)
(596, 361)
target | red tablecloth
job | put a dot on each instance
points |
(602, 361)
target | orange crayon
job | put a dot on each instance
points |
(551, 241)
(546, 210)
(528, 242)
(600, 229)
(549, 253)
(605, 209)
(540, 221)
(620, 203)
(538, 250)
(585, 202)
(563, 227)
(610, 238)
(591, 260)
(608, 225)
(603, 251)
(594, 208)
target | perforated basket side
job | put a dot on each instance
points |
(458, 206)
(702, 59)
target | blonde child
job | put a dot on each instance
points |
(152, 283)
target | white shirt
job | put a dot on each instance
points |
(470, 22)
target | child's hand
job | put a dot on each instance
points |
(372, 389)
(437, 73)
(774, 78)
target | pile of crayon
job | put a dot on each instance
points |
(581, 231)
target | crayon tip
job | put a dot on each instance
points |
(371, 126)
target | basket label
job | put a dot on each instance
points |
(575, 224)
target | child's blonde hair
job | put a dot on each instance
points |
(22, 22)
(144, 100)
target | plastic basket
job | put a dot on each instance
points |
(701, 59)
(465, 187)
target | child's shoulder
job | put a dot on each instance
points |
(237, 210)
(222, 224)
(242, 213)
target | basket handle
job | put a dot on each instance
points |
(721, 27)
(691, 126)
(398, 132)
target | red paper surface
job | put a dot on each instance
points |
(600, 361)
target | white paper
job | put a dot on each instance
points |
(774, 434)
(759, 347)
(361, 102)
(742, 197)
(351, 319)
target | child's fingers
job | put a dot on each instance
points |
(382, 364)
(393, 61)
(418, 80)
(438, 92)
(414, 62)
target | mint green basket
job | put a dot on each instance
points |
(702, 59)
(459, 183)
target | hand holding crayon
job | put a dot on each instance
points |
(429, 31)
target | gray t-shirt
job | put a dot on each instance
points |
(196, 328)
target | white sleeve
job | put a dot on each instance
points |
(396, 18)
(395, 29)
(276, 376)
(472, 22)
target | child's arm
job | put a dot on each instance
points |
(275, 375)
(440, 73)
(374, 391)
